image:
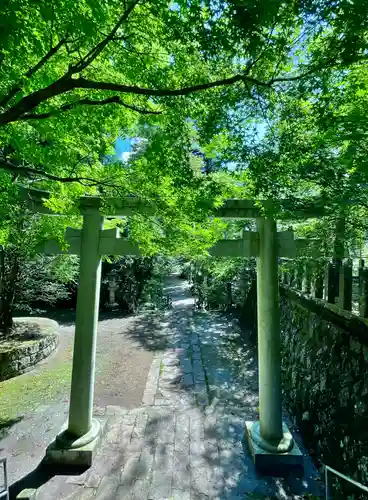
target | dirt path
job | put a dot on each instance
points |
(34, 406)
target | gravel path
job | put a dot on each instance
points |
(34, 406)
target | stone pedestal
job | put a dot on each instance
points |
(69, 450)
(270, 459)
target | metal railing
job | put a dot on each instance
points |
(346, 478)
(4, 491)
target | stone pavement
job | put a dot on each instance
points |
(186, 440)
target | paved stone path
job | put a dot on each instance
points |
(186, 440)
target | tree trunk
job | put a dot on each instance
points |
(6, 316)
(8, 280)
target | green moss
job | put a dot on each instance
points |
(161, 368)
(22, 394)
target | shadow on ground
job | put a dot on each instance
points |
(6, 425)
(215, 461)
(40, 476)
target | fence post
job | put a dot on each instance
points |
(307, 277)
(299, 275)
(318, 281)
(363, 298)
(346, 285)
(332, 282)
(229, 294)
(360, 274)
(292, 276)
(282, 272)
(286, 278)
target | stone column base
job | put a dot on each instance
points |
(267, 459)
(66, 450)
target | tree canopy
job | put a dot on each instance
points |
(184, 76)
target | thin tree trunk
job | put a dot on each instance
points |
(8, 284)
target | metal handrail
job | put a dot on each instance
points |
(339, 474)
(5, 492)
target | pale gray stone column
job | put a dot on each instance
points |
(269, 435)
(270, 411)
(83, 375)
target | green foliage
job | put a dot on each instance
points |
(140, 283)
(277, 89)
(220, 283)
(27, 278)
(42, 280)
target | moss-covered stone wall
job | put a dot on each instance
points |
(34, 340)
(325, 381)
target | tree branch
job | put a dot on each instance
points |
(83, 83)
(93, 53)
(25, 171)
(14, 90)
(66, 84)
(87, 102)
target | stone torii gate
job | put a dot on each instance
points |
(269, 440)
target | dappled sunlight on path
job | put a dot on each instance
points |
(186, 440)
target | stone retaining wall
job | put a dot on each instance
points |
(325, 381)
(25, 354)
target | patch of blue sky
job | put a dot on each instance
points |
(124, 147)
(174, 6)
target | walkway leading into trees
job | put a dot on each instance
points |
(185, 440)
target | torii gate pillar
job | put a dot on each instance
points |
(270, 441)
(76, 444)
(270, 408)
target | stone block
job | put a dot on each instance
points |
(28, 494)
(75, 457)
(130, 471)
(33, 358)
(179, 494)
(116, 410)
(181, 471)
(60, 453)
(162, 473)
(200, 481)
(42, 344)
(188, 380)
(196, 357)
(46, 351)
(32, 349)
(149, 398)
(108, 488)
(23, 363)
(186, 365)
(274, 464)
(139, 491)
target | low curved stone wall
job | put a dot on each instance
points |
(36, 338)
